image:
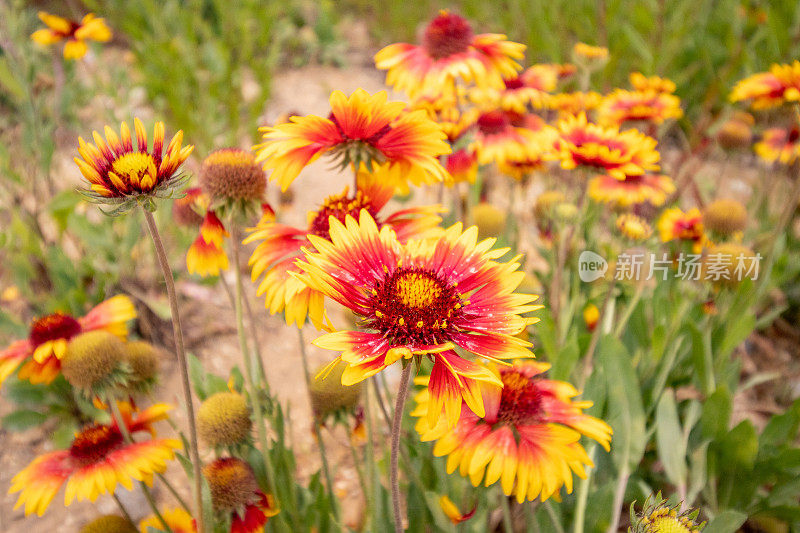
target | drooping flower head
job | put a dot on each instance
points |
(98, 460)
(450, 51)
(90, 28)
(177, 519)
(528, 439)
(422, 298)
(41, 353)
(658, 516)
(779, 145)
(646, 106)
(280, 245)
(781, 84)
(361, 128)
(651, 188)
(187, 211)
(619, 153)
(206, 256)
(123, 175)
(452, 512)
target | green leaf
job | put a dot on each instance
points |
(22, 420)
(669, 439)
(782, 429)
(716, 413)
(739, 447)
(625, 410)
(727, 521)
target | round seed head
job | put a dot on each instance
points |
(224, 419)
(490, 220)
(328, 395)
(232, 482)
(233, 174)
(109, 524)
(91, 358)
(725, 216)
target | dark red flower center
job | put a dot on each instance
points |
(95, 442)
(415, 306)
(372, 139)
(520, 400)
(514, 83)
(447, 35)
(52, 327)
(339, 206)
(493, 122)
(794, 135)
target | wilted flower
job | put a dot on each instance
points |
(450, 51)
(98, 460)
(75, 33)
(528, 438)
(47, 341)
(451, 511)
(360, 129)
(422, 298)
(124, 176)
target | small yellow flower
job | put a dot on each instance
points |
(591, 315)
(634, 227)
(583, 51)
(75, 33)
(659, 517)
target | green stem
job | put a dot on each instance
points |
(619, 495)
(508, 525)
(126, 435)
(583, 496)
(374, 500)
(174, 492)
(553, 517)
(183, 365)
(317, 433)
(623, 321)
(248, 367)
(360, 471)
(122, 509)
(588, 358)
(397, 423)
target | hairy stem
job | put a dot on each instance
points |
(180, 351)
(397, 423)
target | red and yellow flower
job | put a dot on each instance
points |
(675, 224)
(90, 28)
(569, 104)
(98, 460)
(449, 113)
(640, 82)
(519, 95)
(498, 140)
(779, 85)
(619, 153)
(528, 438)
(650, 188)
(422, 298)
(41, 353)
(778, 144)
(255, 516)
(118, 171)
(462, 165)
(280, 245)
(649, 106)
(362, 128)
(206, 256)
(450, 51)
(177, 519)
